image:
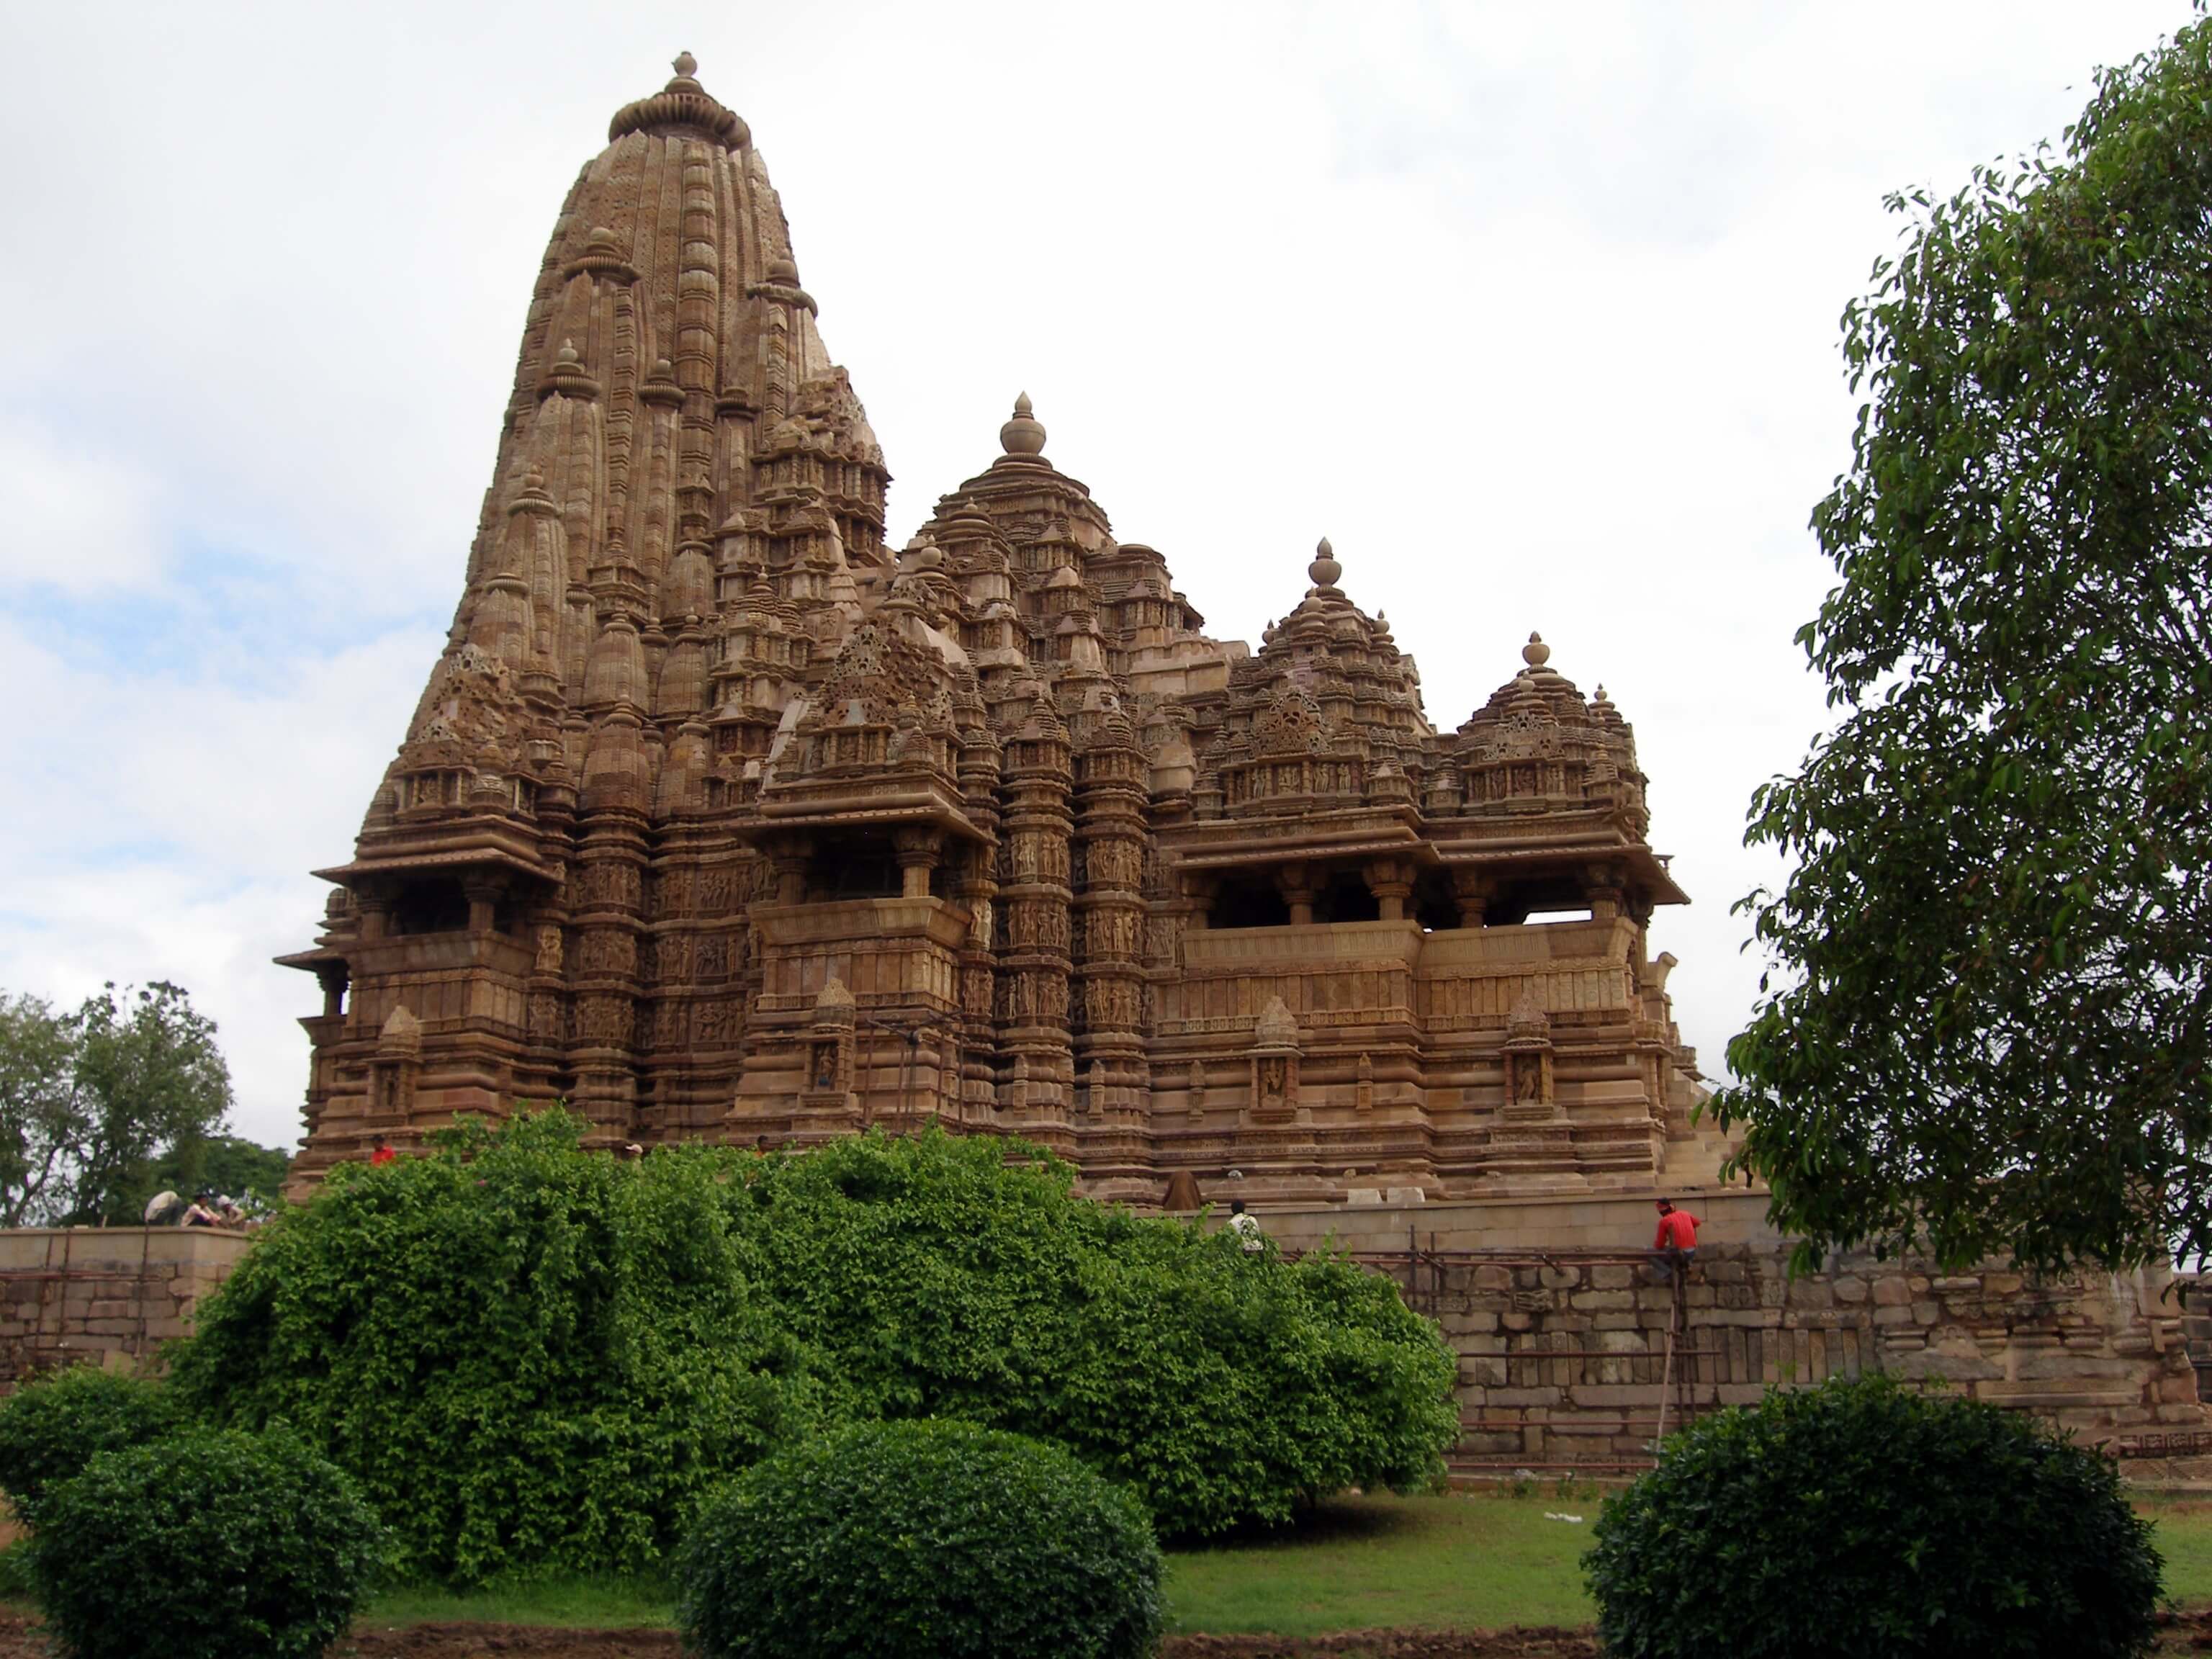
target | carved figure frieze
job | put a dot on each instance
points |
(605, 1021)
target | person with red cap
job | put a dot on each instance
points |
(1676, 1241)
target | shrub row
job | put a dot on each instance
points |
(531, 1357)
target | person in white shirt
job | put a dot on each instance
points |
(1246, 1227)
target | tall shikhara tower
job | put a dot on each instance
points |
(718, 819)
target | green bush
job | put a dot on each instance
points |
(936, 1280)
(49, 1429)
(205, 1545)
(1860, 1518)
(530, 1356)
(889, 1539)
(527, 1356)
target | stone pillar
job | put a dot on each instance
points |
(787, 856)
(976, 887)
(1603, 884)
(608, 898)
(332, 976)
(1471, 891)
(1034, 888)
(1296, 883)
(1110, 826)
(917, 851)
(484, 896)
(1391, 881)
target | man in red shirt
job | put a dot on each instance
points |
(382, 1152)
(1676, 1241)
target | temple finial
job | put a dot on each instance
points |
(1024, 433)
(1535, 653)
(685, 64)
(1324, 570)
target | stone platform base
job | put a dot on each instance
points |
(1573, 1352)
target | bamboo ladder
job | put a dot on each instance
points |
(1676, 1324)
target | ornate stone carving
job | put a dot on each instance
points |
(700, 743)
(1274, 1061)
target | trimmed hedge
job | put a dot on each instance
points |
(531, 1356)
(52, 1428)
(890, 1540)
(205, 1545)
(1860, 1518)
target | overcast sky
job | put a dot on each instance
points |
(1531, 309)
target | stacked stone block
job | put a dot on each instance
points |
(1562, 1330)
(110, 1296)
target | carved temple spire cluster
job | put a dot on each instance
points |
(718, 817)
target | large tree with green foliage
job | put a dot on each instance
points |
(1989, 1014)
(89, 1099)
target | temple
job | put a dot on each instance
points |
(720, 819)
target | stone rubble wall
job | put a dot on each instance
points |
(110, 1296)
(1562, 1329)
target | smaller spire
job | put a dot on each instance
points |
(1535, 653)
(1324, 570)
(1024, 433)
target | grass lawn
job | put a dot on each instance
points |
(2184, 1539)
(1466, 1562)
(1455, 1563)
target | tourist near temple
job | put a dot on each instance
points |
(720, 819)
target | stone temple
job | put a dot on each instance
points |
(720, 819)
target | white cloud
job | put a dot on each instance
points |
(73, 515)
(169, 827)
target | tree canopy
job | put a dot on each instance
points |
(89, 1099)
(231, 1165)
(1988, 1014)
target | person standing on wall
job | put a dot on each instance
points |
(1676, 1243)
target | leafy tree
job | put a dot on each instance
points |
(1988, 1020)
(253, 1174)
(39, 1120)
(89, 1099)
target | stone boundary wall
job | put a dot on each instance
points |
(1562, 1329)
(108, 1295)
